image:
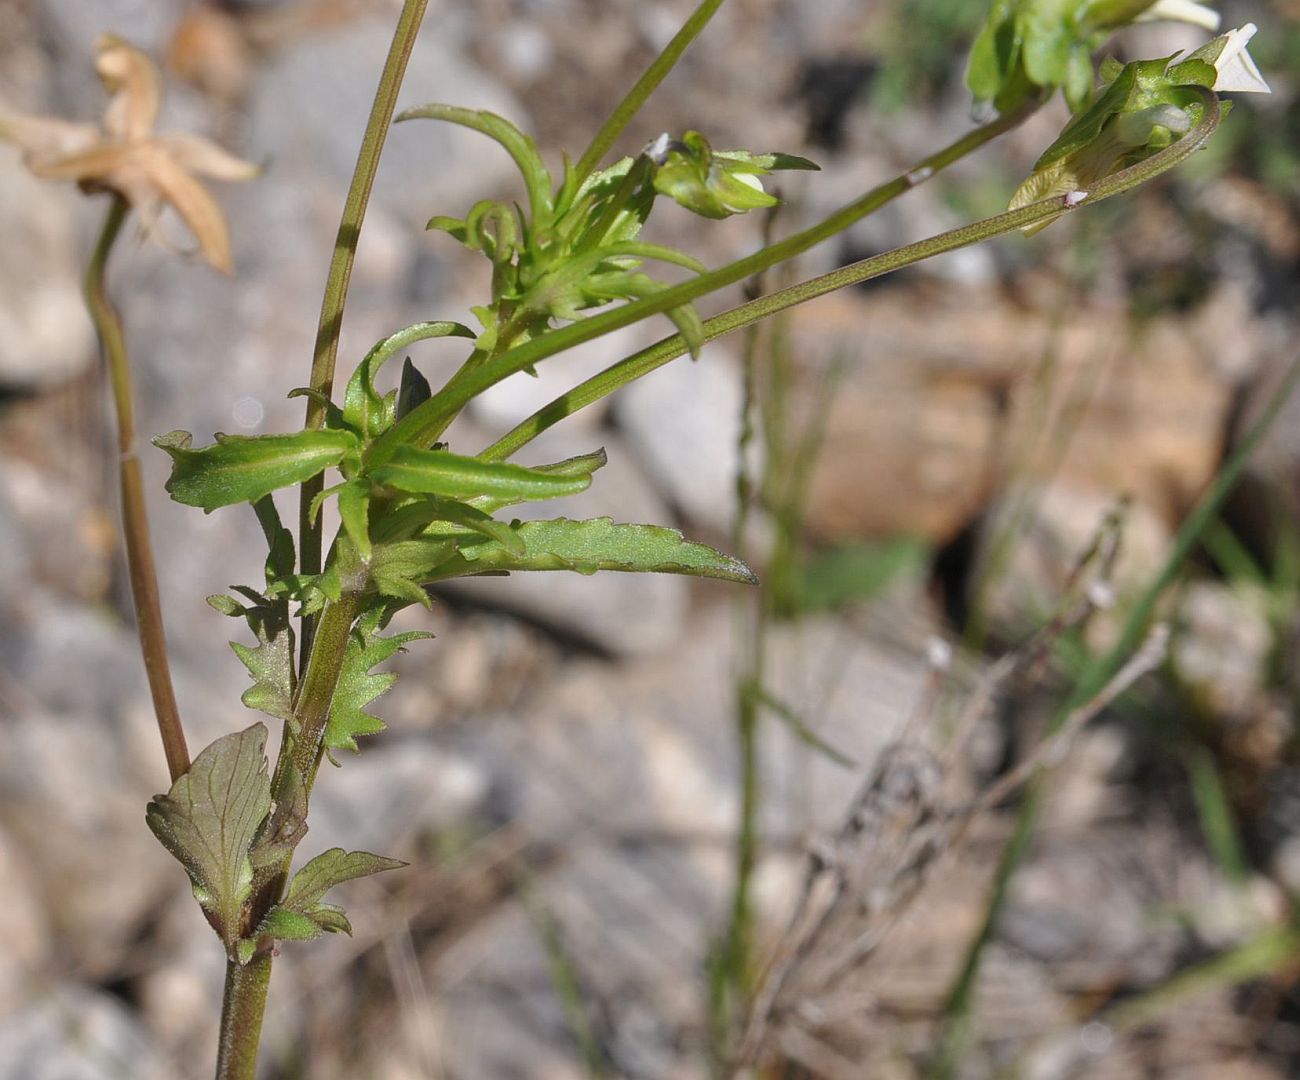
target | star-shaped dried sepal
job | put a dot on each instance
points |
(125, 155)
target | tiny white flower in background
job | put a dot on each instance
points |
(1188, 11)
(1237, 71)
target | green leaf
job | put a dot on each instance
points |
(398, 569)
(357, 688)
(440, 472)
(598, 544)
(244, 468)
(520, 147)
(579, 467)
(310, 884)
(364, 409)
(270, 664)
(284, 924)
(209, 819)
(354, 510)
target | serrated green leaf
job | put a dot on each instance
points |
(244, 468)
(440, 472)
(270, 664)
(357, 688)
(284, 924)
(209, 819)
(310, 884)
(599, 544)
(397, 569)
(330, 918)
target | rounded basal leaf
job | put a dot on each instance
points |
(244, 468)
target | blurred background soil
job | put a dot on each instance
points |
(561, 768)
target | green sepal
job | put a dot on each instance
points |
(597, 544)
(209, 821)
(714, 185)
(357, 687)
(245, 468)
(440, 472)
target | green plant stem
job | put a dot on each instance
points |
(645, 86)
(244, 1002)
(1091, 681)
(243, 1005)
(431, 417)
(325, 352)
(135, 521)
(669, 348)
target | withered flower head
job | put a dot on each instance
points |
(126, 156)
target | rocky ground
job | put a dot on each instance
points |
(560, 768)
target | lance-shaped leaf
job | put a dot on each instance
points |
(244, 468)
(579, 467)
(357, 687)
(598, 544)
(209, 820)
(440, 472)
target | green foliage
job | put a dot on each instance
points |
(577, 248)
(1145, 106)
(596, 544)
(244, 468)
(357, 687)
(210, 819)
(438, 472)
(303, 915)
(1029, 48)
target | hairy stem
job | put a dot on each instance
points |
(645, 86)
(325, 353)
(135, 522)
(242, 1007)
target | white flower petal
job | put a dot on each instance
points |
(1237, 71)
(1187, 11)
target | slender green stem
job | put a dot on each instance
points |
(242, 1007)
(1090, 683)
(433, 415)
(135, 521)
(639, 364)
(325, 353)
(645, 86)
(316, 691)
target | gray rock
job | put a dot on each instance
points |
(682, 421)
(72, 1033)
(313, 125)
(45, 334)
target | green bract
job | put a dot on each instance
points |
(1145, 106)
